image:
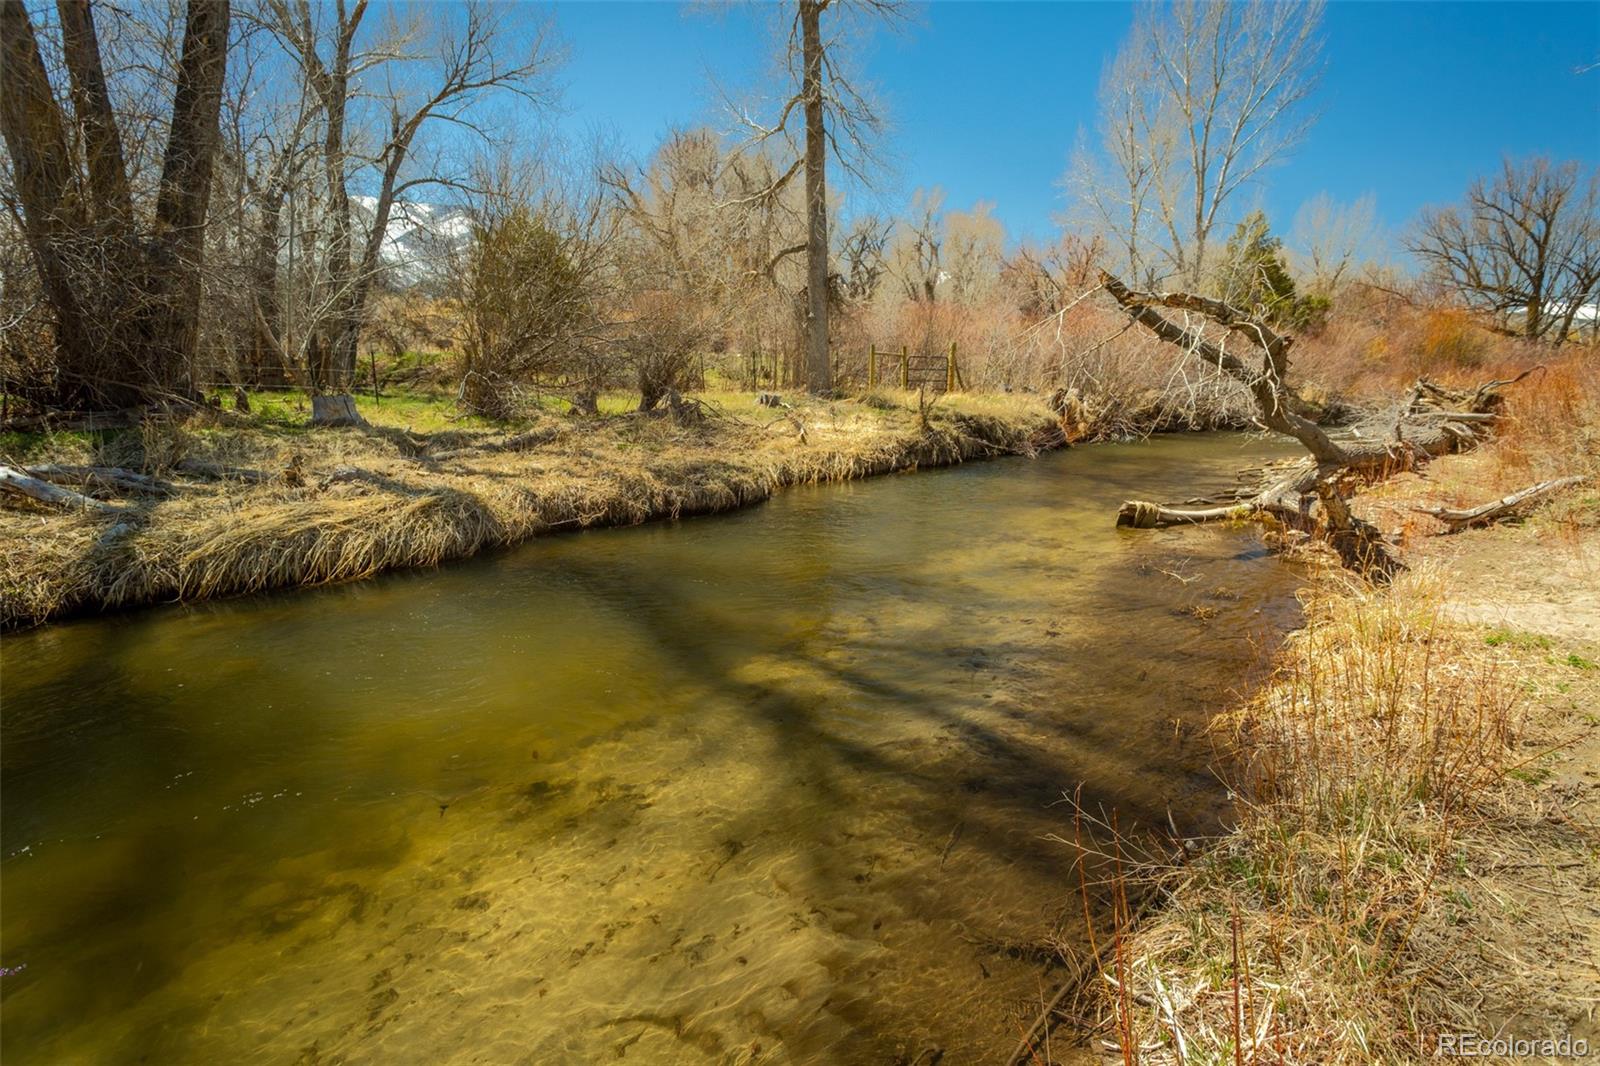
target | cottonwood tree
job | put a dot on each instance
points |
(1523, 247)
(1115, 187)
(123, 285)
(974, 243)
(835, 117)
(863, 257)
(266, 129)
(678, 268)
(946, 256)
(1200, 100)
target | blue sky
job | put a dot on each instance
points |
(987, 99)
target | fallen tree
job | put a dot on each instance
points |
(1313, 496)
(38, 490)
(1485, 513)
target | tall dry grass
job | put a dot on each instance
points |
(1368, 898)
(1311, 934)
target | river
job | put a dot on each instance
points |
(777, 786)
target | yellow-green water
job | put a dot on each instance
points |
(772, 787)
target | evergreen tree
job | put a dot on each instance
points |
(1255, 278)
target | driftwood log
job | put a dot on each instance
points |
(17, 483)
(1488, 512)
(103, 477)
(1312, 496)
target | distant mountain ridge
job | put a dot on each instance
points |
(419, 238)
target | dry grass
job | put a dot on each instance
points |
(345, 504)
(1397, 871)
(1408, 859)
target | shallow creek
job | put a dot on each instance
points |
(775, 786)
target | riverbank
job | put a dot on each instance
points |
(1416, 860)
(247, 504)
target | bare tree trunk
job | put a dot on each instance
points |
(371, 254)
(268, 361)
(35, 136)
(91, 100)
(819, 378)
(178, 240)
(126, 320)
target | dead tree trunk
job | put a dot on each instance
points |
(1485, 513)
(1312, 497)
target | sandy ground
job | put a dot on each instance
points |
(1541, 575)
(1534, 585)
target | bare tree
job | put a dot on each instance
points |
(916, 253)
(1116, 186)
(1524, 246)
(1202, 98)
(468, 62)
(973, 247)
(267, 142)
(1043, 282)
(1330, 239)
(125, 296)
(330, 80)
(862, 256)
(702, 241)
(837, 118)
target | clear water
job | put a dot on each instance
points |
(773, 787)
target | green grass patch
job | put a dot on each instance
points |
(1517, 639)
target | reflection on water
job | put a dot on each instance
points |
(769, 787)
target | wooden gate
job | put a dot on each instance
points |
(935, 373)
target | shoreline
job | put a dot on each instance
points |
(283, 510)
(1413, 859)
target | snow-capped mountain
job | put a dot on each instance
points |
(419, 238)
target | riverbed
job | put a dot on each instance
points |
(778, 786)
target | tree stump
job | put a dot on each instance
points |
(335, 411)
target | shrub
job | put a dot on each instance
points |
(524, 297)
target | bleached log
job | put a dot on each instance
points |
(1484, 513)
(106, 476)
(18, 483)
